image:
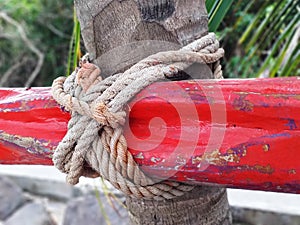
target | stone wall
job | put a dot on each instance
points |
(30, 201)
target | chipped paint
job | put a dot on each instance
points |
(242, 104)
(139, 156)
(155, 159)
(180, 162)
(271, 95)
(291, 124)
(278, 135)
(292, 171)
(217, 158)
(24, 105)
(264, 169)
(266, 147)
(259, 152)
(32, 145)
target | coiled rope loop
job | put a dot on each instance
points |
(97, 109)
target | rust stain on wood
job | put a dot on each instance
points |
(264, 169)
(217, 158)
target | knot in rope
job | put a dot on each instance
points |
(94, 144)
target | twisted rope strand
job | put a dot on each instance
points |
(95, 135)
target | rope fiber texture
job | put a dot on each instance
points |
(94, 144)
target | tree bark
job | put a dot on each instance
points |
(117, 34)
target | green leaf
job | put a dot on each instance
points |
(252, 26)
(217, 13)
(77, 52)
(278, 61)
(74, 53)
(285, 34)
(210, 5)
(292, 63)
(273, 29)
(263, 25)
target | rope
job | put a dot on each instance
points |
(95, 136)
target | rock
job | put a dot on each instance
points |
(52, 189)
(56, 210)
(95, 210)
(244, 216)
(54, 207)
(30, 214)
(11, 197)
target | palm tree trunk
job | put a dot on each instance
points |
(135, 24)
(204, 205)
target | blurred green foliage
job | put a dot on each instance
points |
(217, 10)
(48, 24)
(75, 47)
(260, 37)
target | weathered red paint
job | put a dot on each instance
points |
(259, 119)
(29, 117)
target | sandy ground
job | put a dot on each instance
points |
(275, 202)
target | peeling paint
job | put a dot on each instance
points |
(216, 158)
(272, 95)
(291, 124)
(155, 159)
(32, 145)
(264, 169)
(266, 147)
(292, 171)
(139, 156)
(259, 152)
(25, 105)
(180, 161)
(242, 104)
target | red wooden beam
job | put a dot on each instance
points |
(238, 133)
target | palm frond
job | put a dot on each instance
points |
(217, 9)
(268, 37)
(74, 47)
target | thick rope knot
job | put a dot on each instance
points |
(105, 117)
(94, 144)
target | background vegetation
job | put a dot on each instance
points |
(48, 26)
(261, 39)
